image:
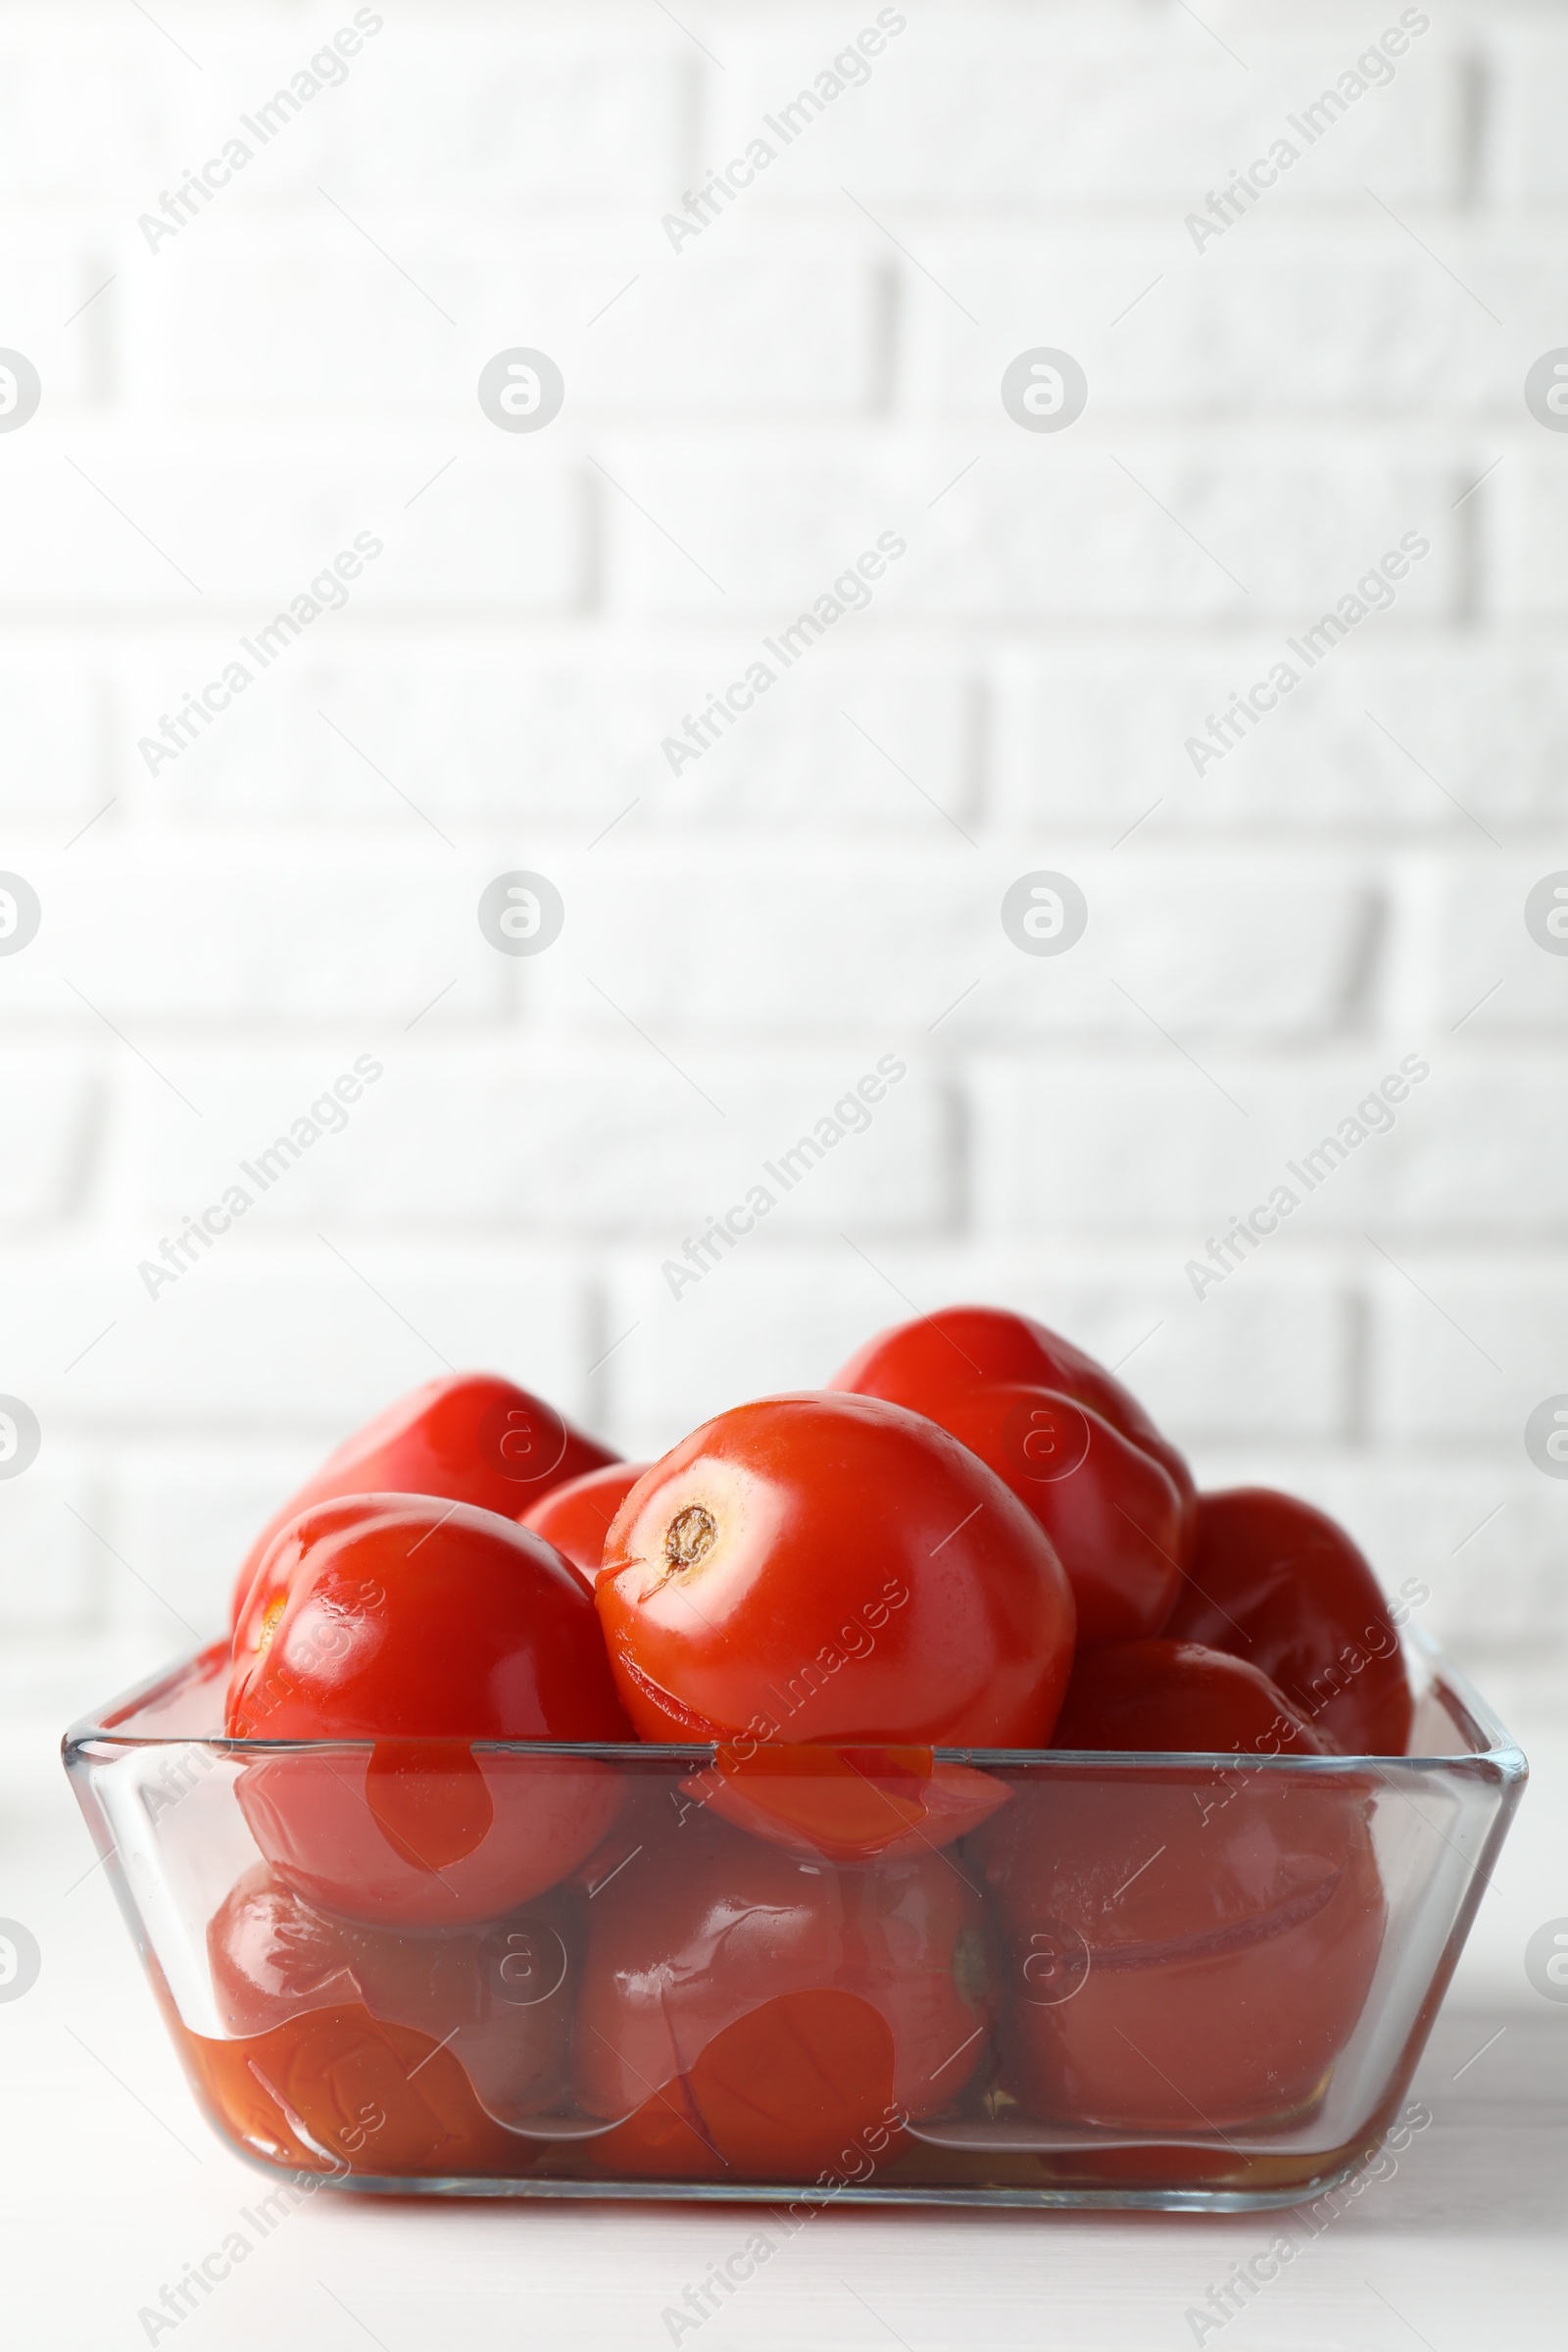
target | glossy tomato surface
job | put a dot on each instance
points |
(831, 1568)
(920, 1363)
(1275, 1581)
(575, 1517)
(470, 1438)
(405, 1615)
(743, 2012)
(340, 2092)
(499, 1992)
(421, 1626)
(1166, 1698)
(1180, 1952)
(1112, 1512)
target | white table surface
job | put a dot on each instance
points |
(111, 2183)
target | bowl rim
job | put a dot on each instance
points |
(1493, 1750)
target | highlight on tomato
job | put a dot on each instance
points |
(746, 2014)
(414, 1628)
(922, 1363)
(1275, 1581)
(1113, 1511)
(833, 1569)
(470, 1438)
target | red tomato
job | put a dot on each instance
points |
(575, 1518)
(1184, 1950)
(471, 1437)
(1164, 1697)
(832, 1569)
(499, 1994)
(421, 1626)
(1112, 1512)
(1279, 1583)
(336, 2091)
(917, 1364)
(749, 2013)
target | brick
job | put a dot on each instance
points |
(913, 941)
(1062, 113)
(1123, 1146)
(56, 737)
(1422, 732)
(1480, 971)
(50, 286)
(90, 119)
(479, 110)
(251, 532)
(508, 1136)
(768, 1319)
(1134, 1145)
(1521, 555)
(1271, 1362)
(1029, 537)
(1485, 1538)
(1485, 1151)
(184, 1515)
(51, 1568)
(476, 730)
(1461, 1367)
(471, 109)
(267, 1342)
(183, 936)
(1285, 317)
(1529, 81)
(52, 1105)
(770, 326)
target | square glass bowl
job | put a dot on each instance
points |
(974, 1978)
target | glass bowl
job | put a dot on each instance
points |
(1050, 1978)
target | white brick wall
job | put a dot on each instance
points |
(743, 417)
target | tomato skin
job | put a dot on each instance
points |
(502, 1988)
(1164, 1697)
(334, 2092)
(1182, 1951)
(833, 1569)
(406, 1616)
(719, 1968)
(1275, 1581)
(421, 1626)
(575, 1517)
(469, 1438)
(1112, 1512)
(919, 1363)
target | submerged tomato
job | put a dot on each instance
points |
(498, 1993)
(1163, 1697)
(421, 1626)
(749, 2014)
(1111, 1510)
(850, 1804)
(472, 1438)
(921, 1363)
(1279, 1583)
(575, 1518)
(830, 1568)
(1185, 1949)
(336, 2091)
